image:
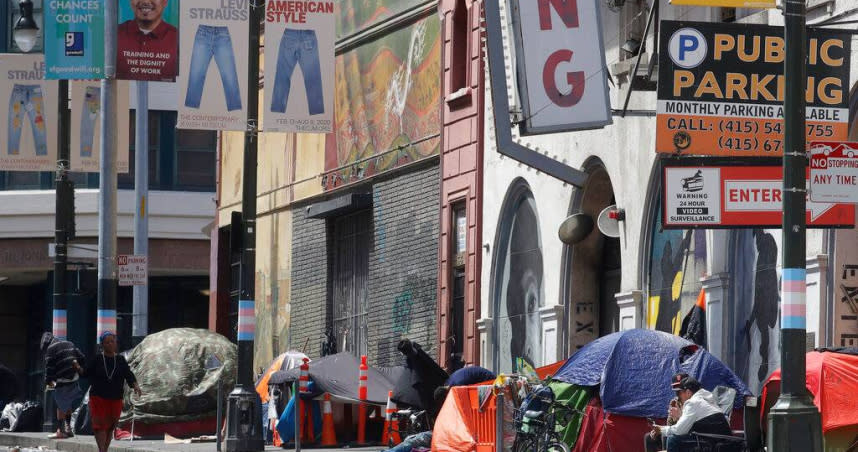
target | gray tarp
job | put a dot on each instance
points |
(338, 375)
(171, 369)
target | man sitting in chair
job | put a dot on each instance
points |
(700, 414)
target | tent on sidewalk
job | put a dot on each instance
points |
(832, 378)
(613, 384)
(179, 393)
(633, 369)
(338, 375)
(467, 422)
(285, 361)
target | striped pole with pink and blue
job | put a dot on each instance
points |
(246, 320)
(106, 321)
(793, 305)
(60, 324)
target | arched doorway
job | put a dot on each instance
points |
(593, 266)
(517, 283)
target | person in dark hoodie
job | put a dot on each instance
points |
(60, 374)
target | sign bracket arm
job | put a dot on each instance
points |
(500, 100)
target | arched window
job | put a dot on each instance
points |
(517, 283)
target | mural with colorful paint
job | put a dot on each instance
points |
(356, 15)
(756, 295)
(387, 104)
(677, 262)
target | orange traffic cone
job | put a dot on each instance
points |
(390, 435)
(362, 395)
(329, 436)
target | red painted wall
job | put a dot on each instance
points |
(461, 165)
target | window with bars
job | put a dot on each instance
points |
(457, 300)
(126, 180)
(352, 238)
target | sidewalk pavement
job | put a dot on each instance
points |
(85, 443)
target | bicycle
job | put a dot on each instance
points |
(415, 422)
(536, 424)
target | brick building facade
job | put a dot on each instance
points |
(380, 255)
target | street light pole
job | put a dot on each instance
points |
(64, 220)
(107, 271)
(794, 422)
(244, 426)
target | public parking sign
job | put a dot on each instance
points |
(721, 88)
(133, 269)
(701, 194)
(834, 172)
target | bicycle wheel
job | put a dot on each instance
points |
(524, 444)
(556, 446)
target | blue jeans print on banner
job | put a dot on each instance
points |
(89, 114)
(26, 99)
(298, 47)
(214, 42)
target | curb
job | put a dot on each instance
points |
(85, 444)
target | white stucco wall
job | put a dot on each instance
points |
(626, 148)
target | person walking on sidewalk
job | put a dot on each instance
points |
(108, 372)
(60, 375)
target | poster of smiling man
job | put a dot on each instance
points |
(148, 40)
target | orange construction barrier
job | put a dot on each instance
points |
(305, 410)
(464, 423)
(329, 435)
(390, 435)
(362, 395)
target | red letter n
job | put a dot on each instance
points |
(567, 9)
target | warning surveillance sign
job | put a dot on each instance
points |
(692, 196)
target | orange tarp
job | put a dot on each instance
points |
(463, 425)
(832, 378)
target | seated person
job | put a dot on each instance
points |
(674, 411)
(699, 414)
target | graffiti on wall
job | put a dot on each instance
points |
(756, 278)
(520, 292)
(387, 104)
(678, 261)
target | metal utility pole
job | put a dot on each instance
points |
(140, 324)
(794, 423)
(244, 426)
(107, 178)
(64, 211)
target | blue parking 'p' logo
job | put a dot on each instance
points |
(74, 43)
(687, 48)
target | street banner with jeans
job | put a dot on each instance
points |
(212, 81)
(86, 126)
(28, 114)
(148, 40)
(74, 39)
(302, 34)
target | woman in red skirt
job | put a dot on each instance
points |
(107, 373)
